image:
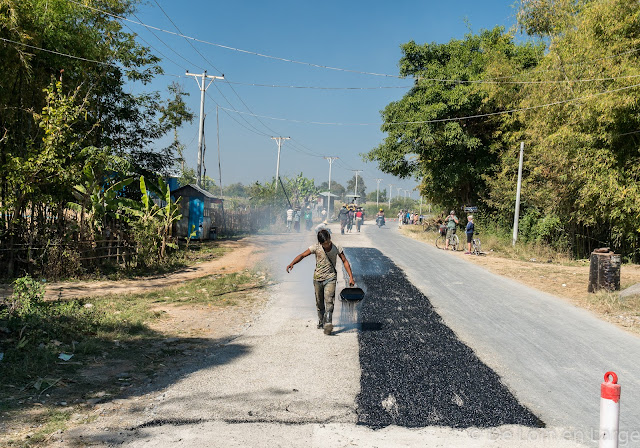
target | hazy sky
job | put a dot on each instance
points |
(353, 35)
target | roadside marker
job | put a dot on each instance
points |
(609, 411)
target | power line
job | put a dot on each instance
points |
(60, 53)
(490, 80)
(443, 80)
(254, 53)
(440, 120)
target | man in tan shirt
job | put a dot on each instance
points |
(325, 276)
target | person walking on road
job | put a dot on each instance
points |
(308, 218)
(469, 231)
(343, 216)
(452, 222)
(325, 276)
(359, 218)
(289, 219)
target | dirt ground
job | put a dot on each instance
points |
(188, 331)
(192, 329)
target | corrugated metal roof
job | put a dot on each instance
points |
(182, 192)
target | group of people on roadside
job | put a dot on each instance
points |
(406, 217)
(296, 215)
(451, 223)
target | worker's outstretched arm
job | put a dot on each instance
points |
(298, 258)
(347, 266)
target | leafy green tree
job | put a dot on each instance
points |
(581, 159)
(336, 188)
(235, 190)
(381, 196)
(424, 138)
(351, 186)
(174, 114)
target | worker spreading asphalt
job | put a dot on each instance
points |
(443, 354)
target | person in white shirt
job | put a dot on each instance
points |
(289, 219)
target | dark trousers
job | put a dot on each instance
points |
(325, 298)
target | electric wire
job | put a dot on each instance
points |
(386, 75)
(215, 68)
(441, 120)
(169, 47)
(443, 80)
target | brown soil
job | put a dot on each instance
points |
(238, 259)
(187, 333)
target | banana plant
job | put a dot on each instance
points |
(95, 197)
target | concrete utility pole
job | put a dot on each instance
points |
(355, 189)
(201, 80)
(279, 142)
(390, 194)
(517, 213)
(398, 194)
(378, 192)
(331, 160)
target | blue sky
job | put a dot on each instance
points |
(355, 35)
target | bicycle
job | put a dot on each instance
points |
(441, 241)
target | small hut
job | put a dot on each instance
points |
(328, 200)
(198, 208)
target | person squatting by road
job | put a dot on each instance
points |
(325, 276)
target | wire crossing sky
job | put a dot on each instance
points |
(329, 63)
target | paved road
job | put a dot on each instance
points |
(551, 354)
(283, 383)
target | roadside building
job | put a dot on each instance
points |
(201, 212)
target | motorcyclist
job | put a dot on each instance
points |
(380, 218)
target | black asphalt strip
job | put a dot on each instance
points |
(415, 371)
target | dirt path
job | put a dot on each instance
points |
(239, 258)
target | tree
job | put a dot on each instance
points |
(236, 190)
(351, 186)
(424, 138)
(581, 157)
(174, 114)
(336, 188)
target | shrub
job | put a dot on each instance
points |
(27, 295)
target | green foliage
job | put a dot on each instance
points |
(299, 190)
(351, 186)
(451, 157)
(28, 294)
(581, 164)
(151, 223)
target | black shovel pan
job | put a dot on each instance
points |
(352, 294)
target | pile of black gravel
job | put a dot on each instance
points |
(415, 372)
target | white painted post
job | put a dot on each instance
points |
(517, 212)
(609, 411)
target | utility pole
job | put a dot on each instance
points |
(279, 142)
(517, 213)
(201, 80)
(355, 189)
(390, 194)
(330, 159)
(398, 194)
(378, 192)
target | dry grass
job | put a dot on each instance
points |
(554, 273)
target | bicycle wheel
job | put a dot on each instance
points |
(454, 242)
(477, 246)
(440, 242)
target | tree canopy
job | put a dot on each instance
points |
(572, 93)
